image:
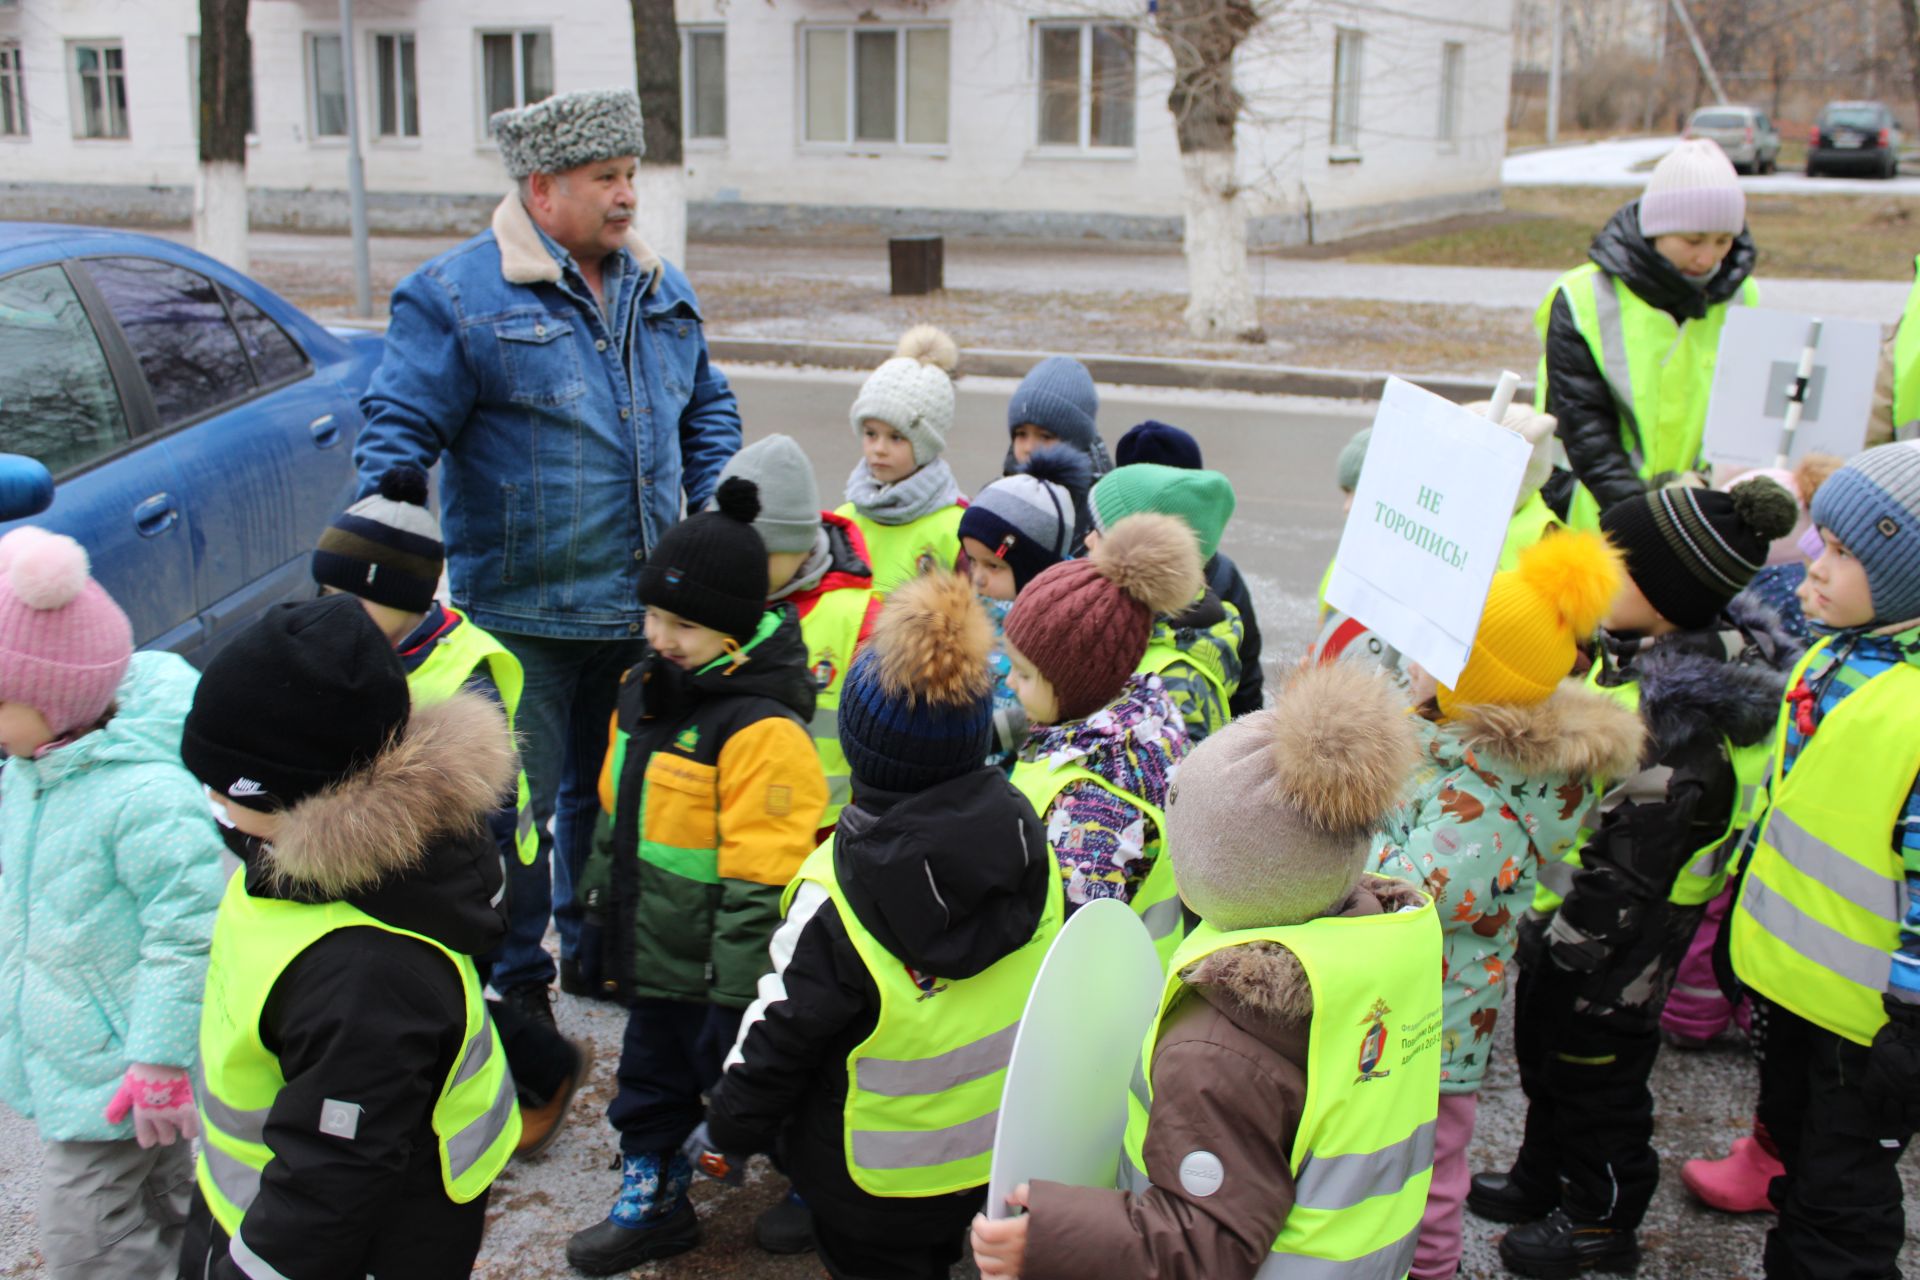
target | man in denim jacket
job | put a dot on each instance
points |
(559, 367)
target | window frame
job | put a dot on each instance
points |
(519, 35)
(1349, 80)
(688, 138)
(13, 89)
(850, 144)
(374, 135)
(76, 88)
(1085, 147)
(310, 76)
(1453, 83)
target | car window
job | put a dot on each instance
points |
(275, 355)
(1851, 118)
(179, 332)
(58, 402)
(1719, 120)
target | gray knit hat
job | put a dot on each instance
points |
(1352, 456)
(1873, 506)
(1059, 397)
(789, 518)
(1270, 818)
(913, 392)
(568, 130)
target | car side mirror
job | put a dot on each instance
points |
(26, 486)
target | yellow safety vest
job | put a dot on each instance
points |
(831, 630)
(923, 1091)
(1207, 655)
(238, 1077)
(898, 553)
(1362, 1158)
(1660, 372)
(1906, 363)
(447, 670)
(1530, 523)
(1818, 918)
(1157, 901)
(1326, 580)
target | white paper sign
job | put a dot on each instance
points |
(1429, 518)
(1759, 355)
(1064, 1113)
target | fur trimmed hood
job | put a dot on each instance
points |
(524, 258)
(1696, 686)
(1577, 732)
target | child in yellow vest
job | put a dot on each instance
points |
(1301, 1017)
(902, 493)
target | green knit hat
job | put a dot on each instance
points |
(1203, 499)
(1352, 455)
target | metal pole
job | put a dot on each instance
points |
(1555, 58)
(356, 172)
(1797, 395)
(1699, 51)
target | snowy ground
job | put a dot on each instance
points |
(1611, 164)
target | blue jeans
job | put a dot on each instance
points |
(571, 688)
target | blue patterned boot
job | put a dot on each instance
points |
(652, 1218)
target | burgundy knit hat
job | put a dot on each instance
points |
(1084, 624)
(64, 643)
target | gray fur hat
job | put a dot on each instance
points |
(568, 130)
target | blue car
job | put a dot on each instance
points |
(191, 429)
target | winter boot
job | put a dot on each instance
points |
(652, 1219)
(1558, 1248)
(1510, 1197)
(1737, 1184)
(785, 1228)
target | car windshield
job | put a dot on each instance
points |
(1852, 118)
(1719, 120)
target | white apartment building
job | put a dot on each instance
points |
(1011, 117)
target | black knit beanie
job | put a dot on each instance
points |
(1691, 551)
(302, 699)
(386, 547)
(712, 568)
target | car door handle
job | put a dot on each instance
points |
(156, 515)
(326, 432)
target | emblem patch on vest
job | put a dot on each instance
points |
(1201, 1174)
(929, 985)
(1373, 1044)
(825, 670)
(340, 1119)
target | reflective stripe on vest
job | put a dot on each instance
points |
(1362, 1158)
(1157, 900)
(923, 1090)
(238, 1078)
(898, 553)
(831, 630)
(446, 671)
(1818, 918)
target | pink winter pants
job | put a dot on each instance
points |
(1437, 1256)
(1697, 1009)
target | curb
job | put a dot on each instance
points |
(1139, 371)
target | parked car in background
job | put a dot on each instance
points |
(1748, 137)
(1854, 137)
(190, 428)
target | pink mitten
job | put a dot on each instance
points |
(161, 1100)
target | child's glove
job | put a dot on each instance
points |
(161, 1099)
(1599, 914)
(700, 1153)
(1891, 1085)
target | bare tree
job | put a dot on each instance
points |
(1202, 36)
(226, 95)
(662, 182)
(1910, 22)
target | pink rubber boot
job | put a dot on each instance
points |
(1737, 1184)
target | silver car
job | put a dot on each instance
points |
(1745, 133)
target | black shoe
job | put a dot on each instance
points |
(533, 1000)
(606, 1248)
(1557, 1248)
(571, 983)
(1501, 1197)
(785, 1228)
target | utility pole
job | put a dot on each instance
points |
(1699, 51)
(356, 172)
(1556, 58)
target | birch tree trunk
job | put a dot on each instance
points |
(225, 91)
(661, 183)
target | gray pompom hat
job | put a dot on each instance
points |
(568, 130)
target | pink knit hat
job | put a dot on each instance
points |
(64, 643)
(1693, 189)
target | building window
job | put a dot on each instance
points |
(516, 67)
(705, 76)
(869, 85)
(1453, 56)
(193, 86)
(1086, 76)
(1346, 89)
(13, 92)
(100, 89)
(326, 87)
(396, 99)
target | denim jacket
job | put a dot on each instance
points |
(564, 461)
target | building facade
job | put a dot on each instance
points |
(1007, 117)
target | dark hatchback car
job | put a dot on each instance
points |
(1854, 137)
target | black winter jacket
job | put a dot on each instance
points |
(367, 1017)
(1224, 580)
(1591, 428)
(949, 880)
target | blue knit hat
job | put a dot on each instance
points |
(1058, 396)
(1873, 506)
(1159, 442)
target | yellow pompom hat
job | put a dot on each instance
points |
(1535, 615)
